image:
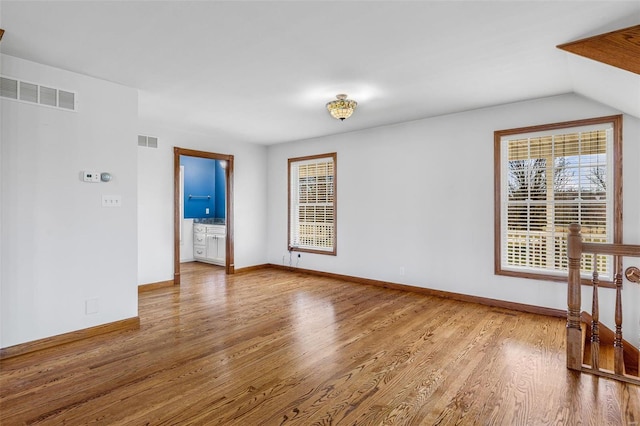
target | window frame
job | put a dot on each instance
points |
(616, 215)
(290, 220)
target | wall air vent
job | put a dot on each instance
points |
(11, 88)
(148, 141)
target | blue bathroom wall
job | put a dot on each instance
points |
(199, 182)
(221, 187)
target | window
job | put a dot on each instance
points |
(312, 207)
(547, 177)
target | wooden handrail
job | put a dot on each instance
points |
(575, 249)
(610, 249)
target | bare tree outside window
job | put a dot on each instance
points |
(547, 178)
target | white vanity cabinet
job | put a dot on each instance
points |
(209, 243)
(199, 242)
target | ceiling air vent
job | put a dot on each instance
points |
(148, 141)
(12, 88)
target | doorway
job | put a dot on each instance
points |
(177, 213)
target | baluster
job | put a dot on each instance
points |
(618, 352)
(595, 318)
(633, 274)
(574, 330)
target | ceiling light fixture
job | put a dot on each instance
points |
(342, 107)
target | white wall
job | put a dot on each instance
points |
(400, 205)
(155, 185)
(60, 247)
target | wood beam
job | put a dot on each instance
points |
(620, 48)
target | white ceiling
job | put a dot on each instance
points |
(262, 71)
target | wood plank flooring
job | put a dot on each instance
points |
(271, 347)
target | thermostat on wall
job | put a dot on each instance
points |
(91, 176)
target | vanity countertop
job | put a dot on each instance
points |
(210, 221)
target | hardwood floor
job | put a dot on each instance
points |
(271, 347)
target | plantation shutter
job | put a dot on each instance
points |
(549, 181)
(312, 203)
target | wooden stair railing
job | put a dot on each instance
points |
(606, 338)
(575, 249)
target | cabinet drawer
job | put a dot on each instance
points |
(197, 227)
(200, 252)
(216, 229)
(199, 238)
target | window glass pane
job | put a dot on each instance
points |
(551, 181)
(312, 209)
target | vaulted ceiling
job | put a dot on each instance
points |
(263, 71)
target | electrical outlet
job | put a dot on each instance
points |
(91, 306)
(402, 270)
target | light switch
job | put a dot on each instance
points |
(111, 201)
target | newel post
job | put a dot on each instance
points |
(574, 331)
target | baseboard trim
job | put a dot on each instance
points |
(153, 286)
(532, 309)
(73, 336)
(134, 322)
(252, 268)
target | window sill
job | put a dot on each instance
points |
(550, 277)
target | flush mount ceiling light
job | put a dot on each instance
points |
(342, 107)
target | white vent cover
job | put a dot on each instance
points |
(8, 88)
(148, 141)
(18, 90)
(28, 92)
